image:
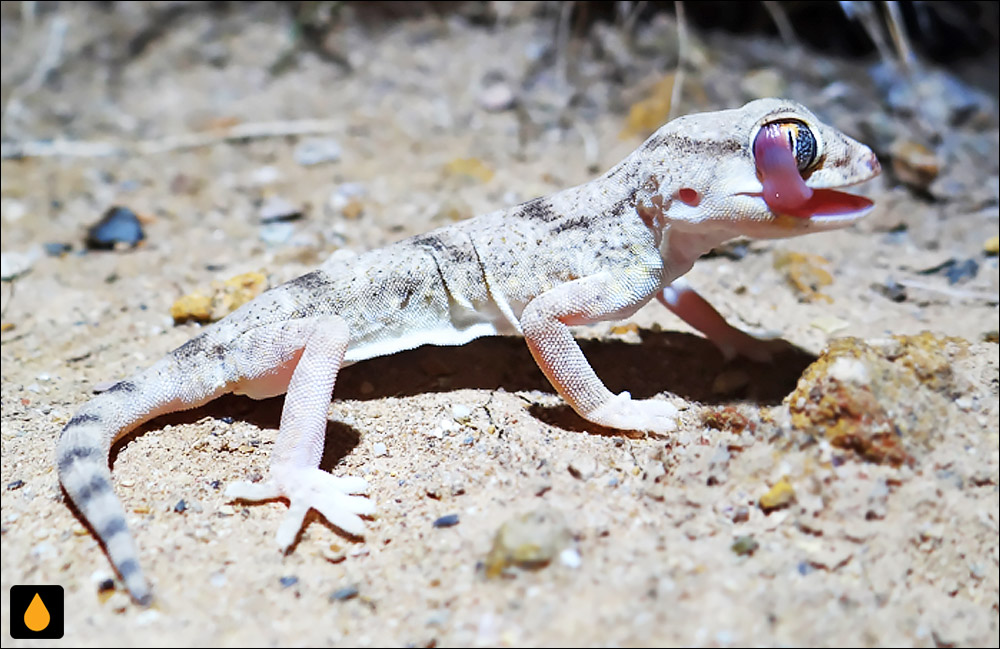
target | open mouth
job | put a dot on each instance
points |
(787, 194)
(823, 203)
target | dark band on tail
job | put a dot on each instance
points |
(81, 419)
(115, 526)
(71, 456)
(97, 486)
(123, 386)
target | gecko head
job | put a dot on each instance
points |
(769, 170)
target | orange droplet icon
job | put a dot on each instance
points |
(36, 617)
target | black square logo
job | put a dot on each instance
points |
(36, 612)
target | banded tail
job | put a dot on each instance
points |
(85, 442)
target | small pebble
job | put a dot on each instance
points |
(317, 150)
(119, 227)
(530, 541)
(106, 584)
(961, 271)
(180, 507)
(781, 495)
(276, 232)
(341, 594)
(379, 449)
(344, 195)
(497, 96)
(276, 208)
(892, 290)
(334, 554)
(15, 264)
(265, 175)
(745, 545)
(449, 520)
(570, 558)
(741, 514)
(56, 249)
(914, 164)
(118, 602)
(288, 580)
(460, 412)
(583, 467)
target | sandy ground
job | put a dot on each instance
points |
(642, 529)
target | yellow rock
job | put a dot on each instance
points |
(235, 292)
(621, 330)
(226, 297)
(781, 495)
(470, 167)
(195, 307)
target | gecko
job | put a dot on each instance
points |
(591, 253)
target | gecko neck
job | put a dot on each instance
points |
(647, 193)
(680, 249)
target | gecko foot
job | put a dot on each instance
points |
(648, 415)
(308, 489)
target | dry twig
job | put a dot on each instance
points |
(96, 149)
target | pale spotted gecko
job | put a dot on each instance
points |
(594, 252)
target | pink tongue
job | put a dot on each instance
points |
(784, 190)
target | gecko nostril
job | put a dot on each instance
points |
(873, 164)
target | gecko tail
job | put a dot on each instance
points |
(82, 462)
(171, 384)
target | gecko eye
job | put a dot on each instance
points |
(801, 141)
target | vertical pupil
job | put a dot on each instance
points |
(801, 141)
(802, 145)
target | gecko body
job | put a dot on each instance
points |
(599, 251)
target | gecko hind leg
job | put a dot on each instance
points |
(311, 350)
(692, 308)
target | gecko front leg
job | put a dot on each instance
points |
(312, 350)
(545, 323)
